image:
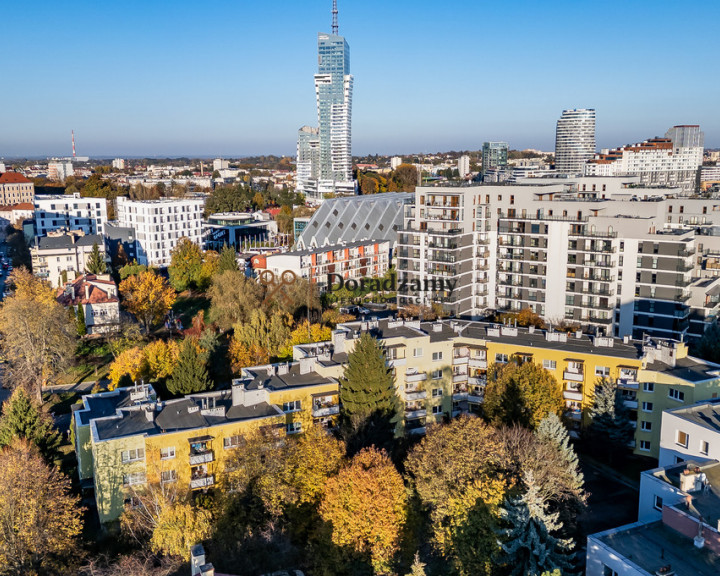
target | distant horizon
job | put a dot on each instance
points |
(433, 80)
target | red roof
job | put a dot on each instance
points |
(19, 206)
(13, 178)
(272, 211)
(96, 294)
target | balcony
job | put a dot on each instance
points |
(460, 378)
(573, 376)
(475, 397)
(477, 381)
(575, 415)
(573, 395)
(415, 394)
(416, 377)
(632, 404)
(325, 410)
(478, 363)
(419, 431)
(460, 360)
(393, 362)
(202, 482)
(627, 384)
(197, 458)
(419, 413)
(459, 396)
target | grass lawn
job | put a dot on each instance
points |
(92, 360)
(61, 403)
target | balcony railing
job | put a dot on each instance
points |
(198, 458)
(574, 376)
(475, 398)
(633, 404)
(460, 360)
(477, 381)
(573, 395)
(414, 394)
(627, 384)
(418, 377)
(478, 363)
(202, 482)
(460, 377)
(331, 410)
(419, 413)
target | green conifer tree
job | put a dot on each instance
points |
(553, 431)
(80, 321)
(528, 545)
(227, 259)
(190, 374)
(24, 418)
(96, 263)
(369, 406)
(611, 426)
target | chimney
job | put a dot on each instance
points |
(626, 339)
(238, 392)
(87, 291)
(531, 329)
(197, 559)
(307, 365)
(578, 334)
(150, 413)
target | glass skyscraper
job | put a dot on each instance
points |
(324, 161)
(574, 140)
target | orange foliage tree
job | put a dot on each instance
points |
(148, 296)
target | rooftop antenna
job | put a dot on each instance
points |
(73, 142)
(334, 18)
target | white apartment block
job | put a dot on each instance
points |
(395, 161)
(59, 171)
(159, 225)
(463, 166)
(69, 212)
(118, 164)
(574, 140)
(690, 433)
(600, 252)
(220, 164)
(62, 257)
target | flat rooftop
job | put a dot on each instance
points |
(108, 403)
(294, 378)
(705, 414)
(688, 368)
(654, 545)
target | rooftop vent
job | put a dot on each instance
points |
(437, 327)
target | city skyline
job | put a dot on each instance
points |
(132, 85)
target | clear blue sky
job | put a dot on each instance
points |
(236, 78)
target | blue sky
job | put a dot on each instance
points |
(235, 78)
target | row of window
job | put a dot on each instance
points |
(683, 439)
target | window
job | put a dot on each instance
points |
(417, 352)
(676, 394)
(167, 453)
(645, 445)
(294, 428)
(437, 392)
(134, 478)
(133, 455)
(549, 364)
(436, 356)
(682, 439)
(436, 374)
(602, 371)
(704, 448)
(232, 442)
(501, 358)
(607, 571)
(657, 504)
(646, 425)
(647, 406)
(648, 387)
(168, 476)
(437, 409)
(292, 406)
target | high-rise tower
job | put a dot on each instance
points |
(330, 146)
(574, 140)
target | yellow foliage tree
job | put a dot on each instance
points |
(148, 296)
(243, 355)
(161, 358)
(40, 519)
(180, 526)
(132, 363)
(306, 333)
(366, 504)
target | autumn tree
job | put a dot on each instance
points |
(369, 405)
(147, 296)
(38, 338)
(243, 355)
(285, 220)
(529, 544)
(164, 517)
(190, 372)
(233, 297)
(270, 333)
(458, 473)
(366, 504)
(96, 262)
(161, 357)
(306, 333)
(227, 260)
(40, 519)
(24, 418)
(142, 563)
(521, 394)
(186, 261)
(129, 367)
(132, 269)
(403, 179)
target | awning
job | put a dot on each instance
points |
(321, 394)
(200, 439)
(574, 360)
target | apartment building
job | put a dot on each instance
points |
(677, 530)
(16, 189)
(58, 258)
(603, 253)
(352, 260)
(69, 212)
(160, 224)
(690, 433)
(670, 161)
(128, 437)
(59, 171)
(574, 140)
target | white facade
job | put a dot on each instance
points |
(118, 164)
(69, 212)
(68, 253)
(220, 164)
(159, 225)
(463, 166)
(395, 161)
(690, 433)
(574, 140)
(59, 171)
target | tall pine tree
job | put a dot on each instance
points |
(611, 426)
(528, 545)
(369, 406)
(553, 431)
(24, 418)
(96, 263)
(80, 321)
(190, 374)
(228, 260)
